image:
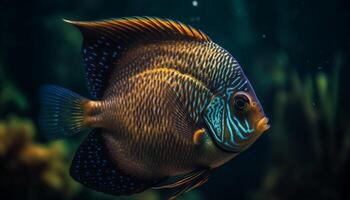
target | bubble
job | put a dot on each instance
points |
(194, 3)
(195, 19)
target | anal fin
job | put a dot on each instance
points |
(186, 183)
(93, 167)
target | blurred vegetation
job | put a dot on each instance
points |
(310, 138)
(28, 169)
(293, 52)
(9, 95)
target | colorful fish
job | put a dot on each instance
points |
(168, 107)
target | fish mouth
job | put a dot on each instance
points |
(263, 125)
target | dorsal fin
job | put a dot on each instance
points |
(106, 40)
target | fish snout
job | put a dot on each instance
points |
(262, 125)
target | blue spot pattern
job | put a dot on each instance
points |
(93, 167)
(98, 56)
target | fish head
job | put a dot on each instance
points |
(246, 116)
(236, 119)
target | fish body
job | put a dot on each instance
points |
(191, 67)
(167, 101)
(173, 151)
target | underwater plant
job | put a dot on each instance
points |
(9, 95)
(310, 155)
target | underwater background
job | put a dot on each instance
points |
(294, 52)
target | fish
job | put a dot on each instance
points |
(167, 107)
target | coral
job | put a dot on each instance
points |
(28, 169)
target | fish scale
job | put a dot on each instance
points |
(205, 66)
(177, 151)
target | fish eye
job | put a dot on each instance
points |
(240, 102)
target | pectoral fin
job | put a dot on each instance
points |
(198, 135)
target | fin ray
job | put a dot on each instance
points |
(186, 183)
(61, 112)
(105, 41)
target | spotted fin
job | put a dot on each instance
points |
(93, 167)
(105, 41)
(186, 183)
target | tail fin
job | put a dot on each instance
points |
(62, 111)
